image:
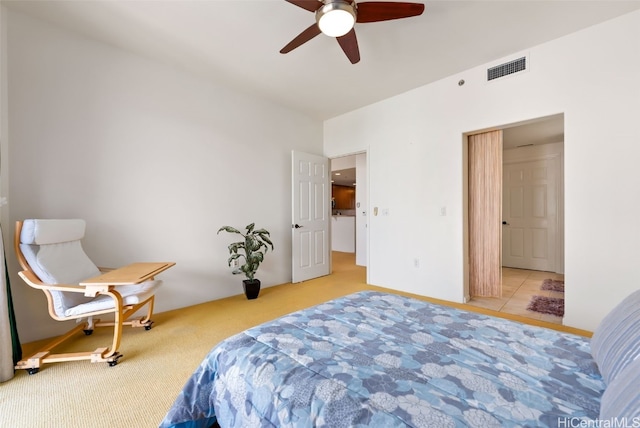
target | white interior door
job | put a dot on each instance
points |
(310, 193)
(529, 215)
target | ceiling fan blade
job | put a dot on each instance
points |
(385, 11)
(301, 38)
(310, 5)
(349, 44)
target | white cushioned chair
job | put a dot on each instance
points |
(51, 256)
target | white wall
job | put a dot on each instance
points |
(361, 209)
(343, 233)
(4, 129)
(416, 163)
(155, 160)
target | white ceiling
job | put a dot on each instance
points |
(237, 42)
(347, 177)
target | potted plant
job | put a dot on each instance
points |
(252, 249)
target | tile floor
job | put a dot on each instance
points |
(518, 286)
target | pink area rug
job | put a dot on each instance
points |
(547, 305)
(553, 285)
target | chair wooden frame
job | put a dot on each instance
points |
(120, 311)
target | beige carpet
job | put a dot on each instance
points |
(156, 363)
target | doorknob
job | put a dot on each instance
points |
(505, 223)
(297, 226)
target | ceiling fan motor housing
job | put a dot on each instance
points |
(336, 18)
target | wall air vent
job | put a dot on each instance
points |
(507, 68)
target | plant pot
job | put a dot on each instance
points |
(251, 288)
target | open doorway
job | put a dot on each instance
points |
(349, 201)
(532, 235)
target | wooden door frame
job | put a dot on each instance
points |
(465, 211)
(560, 252)
(484, 212)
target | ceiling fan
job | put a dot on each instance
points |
(336, 18)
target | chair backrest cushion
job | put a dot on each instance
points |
(51, 231)
(54, 252)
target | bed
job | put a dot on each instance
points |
(384, 360)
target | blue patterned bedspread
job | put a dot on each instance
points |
(383, 360)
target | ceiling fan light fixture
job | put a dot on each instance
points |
(336, 19)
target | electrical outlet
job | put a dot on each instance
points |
(235, 263)
(416, 263)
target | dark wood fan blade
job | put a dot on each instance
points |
(310, 5)
(385, 11)
(349, 44)
(301, 38)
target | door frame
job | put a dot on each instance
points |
(485, 212)
(465, 203)
(366, 152)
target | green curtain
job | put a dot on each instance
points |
(15, 340)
